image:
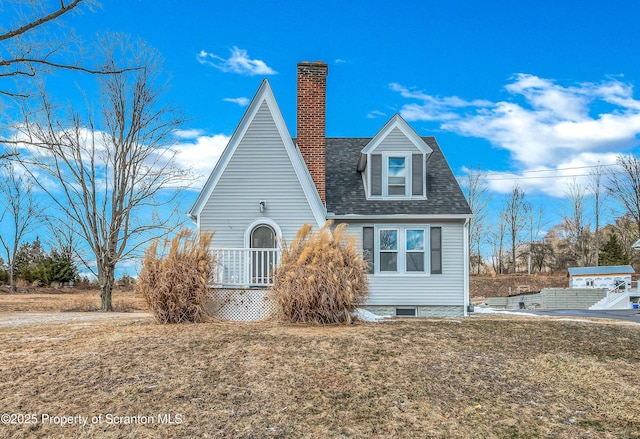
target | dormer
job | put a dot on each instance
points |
(393, 164)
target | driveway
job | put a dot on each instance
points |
(10, 320)
(630, 315)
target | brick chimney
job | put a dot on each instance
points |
(311, 119)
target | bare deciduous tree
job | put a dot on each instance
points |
(30, 44)
(477, 193)
(33, 42)
(624, 186)
(496, 238)
(536, 222)
(595, 187)
(515, 213)
(20, 213)
(108, 180)
(577, 228)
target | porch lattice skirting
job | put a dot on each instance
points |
(247, 304)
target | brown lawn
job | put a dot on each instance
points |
(478, 377)
(65, 300)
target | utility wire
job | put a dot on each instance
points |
(496, 176)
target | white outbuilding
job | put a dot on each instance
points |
(609, 277)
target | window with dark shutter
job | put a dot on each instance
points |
(376, 175)
(417, 180)
(436, 250)
(368, 246)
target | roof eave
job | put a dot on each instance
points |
(400, 216)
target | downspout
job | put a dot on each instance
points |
(466, 267)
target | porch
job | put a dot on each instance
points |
(244, 267)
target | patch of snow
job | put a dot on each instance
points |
(576, 320)
(368, 316)
(481, 310)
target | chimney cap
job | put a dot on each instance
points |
(317, 63)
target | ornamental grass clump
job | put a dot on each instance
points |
(174, 283)
(321, 278)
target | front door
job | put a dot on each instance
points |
(262, 237)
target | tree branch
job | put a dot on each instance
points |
(63, 66)
(40, 21)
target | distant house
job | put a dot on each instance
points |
(609, 277)
(395, 191)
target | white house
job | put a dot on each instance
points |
(395, 191)
(609, 277)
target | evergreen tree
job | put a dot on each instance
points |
(4, 273)
(33, 264)
(613, 253)
(56, 267)
(27, 259)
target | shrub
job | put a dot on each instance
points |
(321, 279)
(175, 283)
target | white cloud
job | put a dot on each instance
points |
(433, 108)
(375, 114)
(550, 180)
(544, 125)
(188, 134)
(201, 155)
(242, 101)
(239, 62)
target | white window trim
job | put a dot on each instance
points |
(408, 157)
(385, 174)
(379, 251)
(260, 222)
(402, 250)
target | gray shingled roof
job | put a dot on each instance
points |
(614, 269)
(345, 191)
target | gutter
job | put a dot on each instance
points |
(399, 216)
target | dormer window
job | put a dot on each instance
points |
(396, 176)
(393, 163)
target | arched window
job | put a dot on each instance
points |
(263, 236)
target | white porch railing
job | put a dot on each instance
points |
(244, 266)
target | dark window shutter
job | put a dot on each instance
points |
(436, 250)
(368, 247)
(376, 175)
(416, 174)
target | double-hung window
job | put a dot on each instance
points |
(402, 250)
(415, 255)
(389, 250)
(396, 176)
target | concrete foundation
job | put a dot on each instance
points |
(421, 310)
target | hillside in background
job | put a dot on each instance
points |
(498, 286)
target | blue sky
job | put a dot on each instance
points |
(507, 86)
(511, 87)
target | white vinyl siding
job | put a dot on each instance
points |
(421, 290)
(260, 169)
(397, 141)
